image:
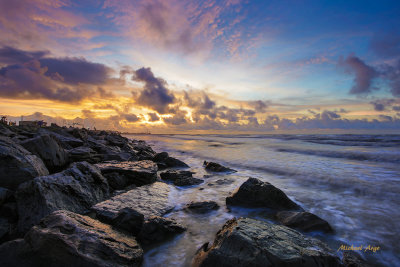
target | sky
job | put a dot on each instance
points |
(169, 66)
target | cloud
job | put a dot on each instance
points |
(11, 56)
(76, 70)
(364, 74)
(154, 95)
(66, 79)
(177, 119)
(129, 117)
(260, 106)
(396, 108)
(392, 74)
(200, 103)
(153, 117)
(386, 44)
(381, 104)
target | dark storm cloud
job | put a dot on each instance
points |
(203, 103)
(260, 106)
(10, 55)
(27, 75)
(177, 119)
(364, 74)
(396, 108)
(153, 117)
(76, 70)
(154, 95)
(382, 104)
(392, 74)
(129, 117)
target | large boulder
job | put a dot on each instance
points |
(128, 220)
(157, 229)
(304, 221)
(249, 242)
(17, 165)
(216, 167)
(84, 153)
(129, 172)
(149, 200)
(76, 189)
(68, 239)
(255, 193)
(48, 148)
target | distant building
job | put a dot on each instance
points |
(33, 123)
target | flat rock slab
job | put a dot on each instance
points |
(129, 172)
(202, 207)
(304, 221)
(76, 189)
(255, 193)
(67, 239)
(157, 229)
(149, 200)
(249, 242)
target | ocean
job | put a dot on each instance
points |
(351, 181)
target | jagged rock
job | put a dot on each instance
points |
(160, 157)
(173, 162)
(185, 181)
(304, 221)
(129, 220)
(249, 242)
(5, 194)
(149, 200)
(76, 189)
(4, 228)
(68, 142)
(156, 229)
(18, 165)
(129, 172)
(202, 207)
(172, 175)
(255, 193)
(216, 167)
(84, 153)
(110, 153)
(79, 133)
(116, 140)
(352, 259)
(67, 239)
(47, 147)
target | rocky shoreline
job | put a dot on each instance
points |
(77, 197)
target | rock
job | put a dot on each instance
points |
(9, 210)
(67, 141)
(47, 147)
(116, 140)
(5, 194)
(221, 182)
(180, 178)
(84, 153)
(79, 133)
(202, 207)
(255, 193)
(185, 181)
(76, 189)
(149, 200)
(160, 157)
(4, 228)
(128, 220)
(110, 153)
(216, 167)
(68, 239)
(18, 165)
(172, 175)
(173, 162)
(304, 221)
(129, 172)
(249, 242)
(352, 259)
(156, 229)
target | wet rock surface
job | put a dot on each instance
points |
(164, 161)
(128, 220)
(149, 200)
(216, 167)
(68, 239)
(157, 229)
(304, 221)
(75, 189)
(129, 172)
(180, 178)
(18, 165)
(249, 242)
(48, 148)
(255, 193)
(202, 207)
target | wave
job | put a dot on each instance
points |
(361, 156)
